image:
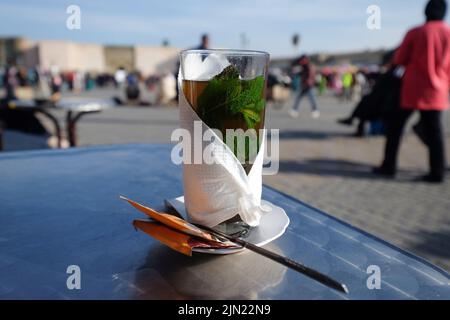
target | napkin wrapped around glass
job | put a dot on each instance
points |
(219, 190)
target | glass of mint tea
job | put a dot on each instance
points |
(231, 95)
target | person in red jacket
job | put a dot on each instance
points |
(425, 55)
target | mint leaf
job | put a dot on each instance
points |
(230, 72)
(227, 99)
(227, 95)
(250, 97)
(251, 117)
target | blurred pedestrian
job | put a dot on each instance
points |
(322, 84)
(10, 80)
(78, 81)
(204, 44)
(132, 85)
(168, 88)
(347, 81)
(120, 76)
(308, 78)
(378, 103)
(425, 54)
(359, 85)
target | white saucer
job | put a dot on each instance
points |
(272, 225)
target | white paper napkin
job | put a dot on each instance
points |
(216, 192)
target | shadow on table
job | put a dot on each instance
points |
(20, 141)
(167, 274)
(337, 168)
(434, 242)
(311, 135)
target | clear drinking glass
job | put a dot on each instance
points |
(229, 94)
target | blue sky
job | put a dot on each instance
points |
(324, 25)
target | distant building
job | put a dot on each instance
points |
(150, 60)
(119, 56)
(146, 59)
(65, 56)
(11, 49)
(71, 56)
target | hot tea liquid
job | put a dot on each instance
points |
(218, 114)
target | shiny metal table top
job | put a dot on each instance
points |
(62, 208)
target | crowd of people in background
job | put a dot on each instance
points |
(13, 77)
(303, 79)
(347, 83)
(34, 83)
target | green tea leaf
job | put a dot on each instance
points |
(251, 114)
(230, 72)
(226, 94)
(250, 96)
